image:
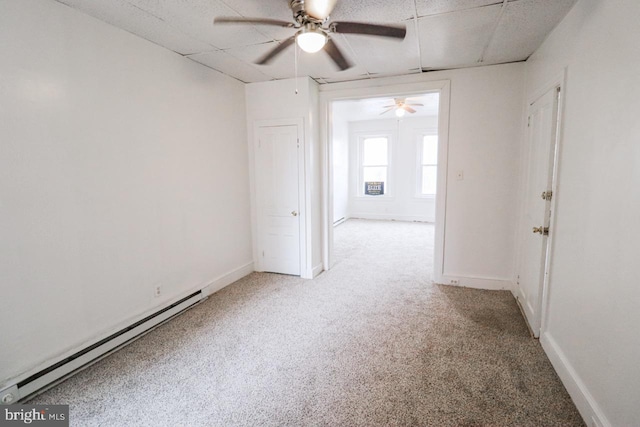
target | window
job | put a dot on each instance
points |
(374, 165)
(428, 169)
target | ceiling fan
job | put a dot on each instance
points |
(311, 19)
(401, 106)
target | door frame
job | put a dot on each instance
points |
(327, 97)
(303, 189)
(558, 83)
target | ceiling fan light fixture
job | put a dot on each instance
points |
(400, 112)
(311, 40)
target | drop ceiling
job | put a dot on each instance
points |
(441, 34)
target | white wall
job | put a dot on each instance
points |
(123, 167)
(277, 100)
(591, 333)
(485, 129)
(401, 202)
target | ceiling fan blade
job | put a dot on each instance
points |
(332, 49)
(319, 9)
(369, 29)
(387, 110)
(269, 56)
(256, 21)
(409, 109)
(414, 104)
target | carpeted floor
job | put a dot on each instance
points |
(370, 343)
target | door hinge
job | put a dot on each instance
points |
(298, 141)
(529, 121)
(547, 195)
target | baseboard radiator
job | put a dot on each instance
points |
(57, 372)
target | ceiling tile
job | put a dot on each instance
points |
(374, 53)
(523, 28)
(126, 16)
(231, 66)
(456, 39)
(272, 9)
(195, 17)
(434, 7)
(373, 10)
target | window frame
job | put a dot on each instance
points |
(361, 137)
(419, 165)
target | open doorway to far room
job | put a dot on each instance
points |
(385, 156)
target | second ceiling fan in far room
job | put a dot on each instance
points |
(315, 29)
(401, 106)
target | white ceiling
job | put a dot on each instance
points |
(441, 34)
(372, 108)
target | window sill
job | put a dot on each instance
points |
(374, 198)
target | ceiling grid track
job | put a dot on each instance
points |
(493, 32)
(254, 26)
(417, 25)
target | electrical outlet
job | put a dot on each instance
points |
(455, 282)
(158, 291)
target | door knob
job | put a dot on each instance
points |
(294, 213)
(542, 230)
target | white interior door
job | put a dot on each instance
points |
(542, 131)
(278, 186)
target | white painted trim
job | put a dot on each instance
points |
(582, 398)
(340, 221)
(391, 217)
(226, 279)
(441, 190)
(304, 202)
(536, 316)
(487, 283)
(376, 88)
(316, 271)
(561, 82)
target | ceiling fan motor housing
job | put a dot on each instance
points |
(300, 14)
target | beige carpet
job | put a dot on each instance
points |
(370, 343)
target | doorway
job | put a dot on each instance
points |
(382, 164)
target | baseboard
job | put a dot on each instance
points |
(228, 278)
(48, 374)
(476, 283)
(316, 270)
(525, 309)
(391, 217)
(340, 221)
(584, 401)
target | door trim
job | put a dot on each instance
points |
(558, 82)
(326, 126)
(303, 190)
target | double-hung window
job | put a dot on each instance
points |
(374, 165)
(428, 167)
